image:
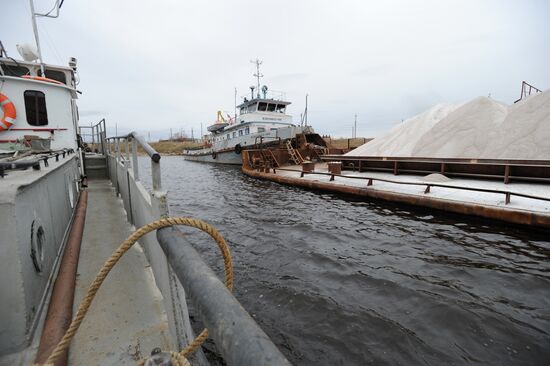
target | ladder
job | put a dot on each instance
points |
(294, 154)
(268, 159)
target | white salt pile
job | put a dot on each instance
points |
(481, 128)
(463, 133)
(524, 133)
(402, 139)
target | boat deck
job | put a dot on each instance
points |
(127, 318)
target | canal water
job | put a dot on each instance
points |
(335, 281)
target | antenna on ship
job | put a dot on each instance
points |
(58, 4)
(257, 75)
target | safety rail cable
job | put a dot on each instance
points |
(439, 185)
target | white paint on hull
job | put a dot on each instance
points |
(229, 157)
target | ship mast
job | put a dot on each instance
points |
(56, 7)
(257, 74)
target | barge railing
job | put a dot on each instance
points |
(519, 170)
(176, 263)
(508, 194)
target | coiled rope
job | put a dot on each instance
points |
(177, 358)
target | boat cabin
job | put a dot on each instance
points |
(262, 109)
(37, 106)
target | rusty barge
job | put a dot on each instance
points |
(514, 191)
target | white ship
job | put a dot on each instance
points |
(64, 211)
(262, 121)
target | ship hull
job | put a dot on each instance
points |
(227, 157)
(36, 209)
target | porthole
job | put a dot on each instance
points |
(38, 239)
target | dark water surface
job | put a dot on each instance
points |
(335, 282)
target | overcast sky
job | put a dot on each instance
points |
(156, 65)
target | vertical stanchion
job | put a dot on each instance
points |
(135, 167)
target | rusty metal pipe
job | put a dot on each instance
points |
(60, 309)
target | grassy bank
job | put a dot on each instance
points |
(173, 147)
(176, 147)
(342, 143)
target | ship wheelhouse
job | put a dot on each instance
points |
(44, 105)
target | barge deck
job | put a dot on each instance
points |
(518, 202)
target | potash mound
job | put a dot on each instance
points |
(481, 128)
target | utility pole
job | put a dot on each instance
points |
(355, 127)
(305, 113)
(170, 134)
(192, 136)
(148, 136)
(201, 131)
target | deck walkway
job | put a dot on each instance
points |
(127, 319)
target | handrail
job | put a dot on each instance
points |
(98, 132)
(436, 160)
(428, 185)
(34, 163)
(240, 340)
(136, 139)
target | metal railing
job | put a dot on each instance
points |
(25, 162)
(130, 144)
(371, 180)
(506, 169)
(237, 336)
(526, 90)
(94, 134)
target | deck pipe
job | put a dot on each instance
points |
(60, 309)
(237, 336)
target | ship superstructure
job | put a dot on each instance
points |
(65, 207)
(262, 119)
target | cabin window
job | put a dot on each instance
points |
(271, 107)
(54, 75)
(35, 108)
(10, 70)
(261, 129)
(252, 107)
(247, 131)
(234, 134)
(262, 107)
(243, 110)
(228, 136)
(273, 129)
(240, 132)
(280, 108)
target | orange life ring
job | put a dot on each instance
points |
(9, 113)
(40, 78)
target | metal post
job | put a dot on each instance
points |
(127, 162)
(155, 172)
(93, 138)
(240, 340)
(135, 159)
(117, 149)
(35, 29)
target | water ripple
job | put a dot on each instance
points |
(342, 281)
